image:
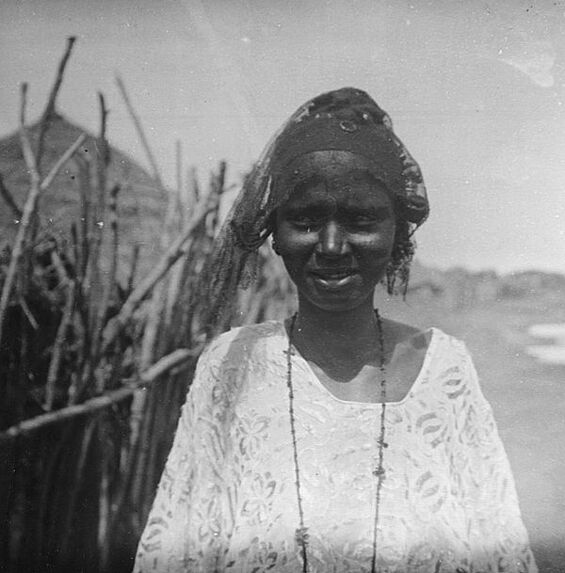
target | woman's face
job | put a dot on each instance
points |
(336, 233)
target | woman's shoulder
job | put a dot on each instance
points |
(223, 367)
(438, 356)
(451, 370)
(452, 347)
(425, 339)
(242, 339)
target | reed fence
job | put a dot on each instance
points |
(95, 361)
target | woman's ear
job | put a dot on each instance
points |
(275, 246)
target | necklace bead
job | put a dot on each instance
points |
(302, 535)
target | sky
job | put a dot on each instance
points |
(475, 90)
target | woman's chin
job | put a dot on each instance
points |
(336, 295)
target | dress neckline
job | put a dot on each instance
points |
(414, 386)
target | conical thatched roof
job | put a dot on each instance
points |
(141, 202)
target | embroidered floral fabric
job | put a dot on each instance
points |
(227, 498)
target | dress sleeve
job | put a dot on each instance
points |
(499, 538)
(185, 529)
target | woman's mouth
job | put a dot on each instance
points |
(333, 278)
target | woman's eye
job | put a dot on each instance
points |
(303, 220)
(363, 220)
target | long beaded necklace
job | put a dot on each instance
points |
(379, 472)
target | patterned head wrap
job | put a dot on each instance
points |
(347, 119)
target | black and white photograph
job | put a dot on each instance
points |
(282, 286)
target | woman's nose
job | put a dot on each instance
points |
(332, 241)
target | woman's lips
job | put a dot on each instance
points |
(333, 278)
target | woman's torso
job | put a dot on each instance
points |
(424, 519)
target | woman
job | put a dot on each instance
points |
(338, 440)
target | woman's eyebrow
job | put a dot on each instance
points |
(309, 205)
(368, 206)
(307, 183)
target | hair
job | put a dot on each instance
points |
(397, 274)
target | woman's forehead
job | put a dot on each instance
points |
(327, 163)
(329, 170)
(353, 189)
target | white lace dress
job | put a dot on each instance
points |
(227, 499)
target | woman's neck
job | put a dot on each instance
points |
(349, 336)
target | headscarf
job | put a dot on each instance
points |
(347, 119)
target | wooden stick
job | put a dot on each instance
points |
(110, 286)
(83, 226)
(73, 493)
(89, 407)
(172, 218)
(7, 196)
(153, 321)
(29, 211)
(114, 228)
(140, 132)
(168, 362)
(105, 148)
(192, 188)
(61, 162)
(176, 271)
(27, 312)
(74, 248)
(92, 277)
(60, 268)
(178, 148)
(27, 150)
(133, 268)
(50, 106)
(141, 447)
(93, 405)
(104, 510)
(175, 251)
(57, 353)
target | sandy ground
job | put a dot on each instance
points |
(528, 399)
